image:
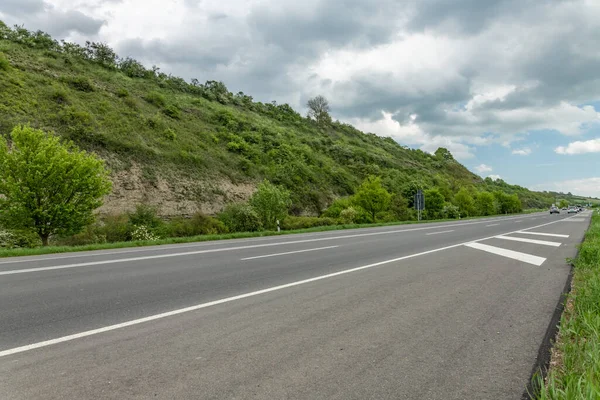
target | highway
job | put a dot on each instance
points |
(453, 310)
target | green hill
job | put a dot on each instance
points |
(190, 146)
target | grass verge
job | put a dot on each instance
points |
(575, 367)
(205, 238)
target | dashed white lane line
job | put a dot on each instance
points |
(515, 255)
(544, 234)
(289, 252)
(492, 225)
(574, 219)
(438, 233)
(518, 221)
(525, 240)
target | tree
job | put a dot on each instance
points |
(563, 204)
(434, 202)
(318, 109)
(464, 202)
(399, 207)
(484, 204)
(372, 196)
(48, 186)
(271, 203)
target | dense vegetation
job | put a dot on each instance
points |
(575, 373)
(128, 113)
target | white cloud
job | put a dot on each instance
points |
(588, 146)
(494, 177)
(525, 151)
(483, 168)
(583, 187)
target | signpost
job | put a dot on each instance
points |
(419, 203)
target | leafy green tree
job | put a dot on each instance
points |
(484, 204)
(464, 201)
(48, 186)
(271, 203)
(240, 217)
(563, 204)
(399, 207)
(318, 109)
(372, 196)
(434, 202)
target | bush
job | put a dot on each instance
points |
(131, 103)
(293, 223)
(122, 93)
(169, 134)
(80, 83)
(349, 215)
(199, 224)
(240, 217)
(142, 233)
(156, 99)
(450, 211)
(145, 215)
(155, 122)
(115, 228)
(172, 111)
(4, 63)
(271, 203)
(90, 235)
(15, 239)
(60, 95)
(336, 208)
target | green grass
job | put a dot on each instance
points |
(205, 238)
(577, 374)
(179, 135)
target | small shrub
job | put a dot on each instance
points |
(155, 122)
(115, 228)
(145, 215)
(199, 224)
(156, 99)
(293, 223)
(90, 235)
(349, 215)
(337, 207)
(60, 95)
(172, 111)
(240, 217)
(4, 63)
(142, 233)
(18, 239)
(239, 147)
(80, 83)
(131, 103)
(169, 134)
(122, 93)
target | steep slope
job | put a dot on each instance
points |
(186, 147)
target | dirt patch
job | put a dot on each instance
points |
(172, 195)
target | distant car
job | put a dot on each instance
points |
(572, 210)
(554, 210)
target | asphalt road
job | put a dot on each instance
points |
(451, 310)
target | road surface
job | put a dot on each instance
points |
(452, 310)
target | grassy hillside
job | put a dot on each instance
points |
(187, 146)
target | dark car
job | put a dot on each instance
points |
(554, 210)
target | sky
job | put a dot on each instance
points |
(510, 87)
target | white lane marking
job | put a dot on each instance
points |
(515, 255)
(518, 221)
(492, 225)
(525, 240)
(545, 234)
(234, 298)
(574, 219)
(223, 249)
(438, 233)
(14, 260)
(288, 252)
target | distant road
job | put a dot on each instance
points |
(453, 310)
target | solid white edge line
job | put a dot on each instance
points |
(438, 233)
(545, 234)
(532, 241)
(223, 249)
(14, 260)
(515, 255)
(234, 298)
(288, 252)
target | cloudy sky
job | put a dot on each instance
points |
(510, 87)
